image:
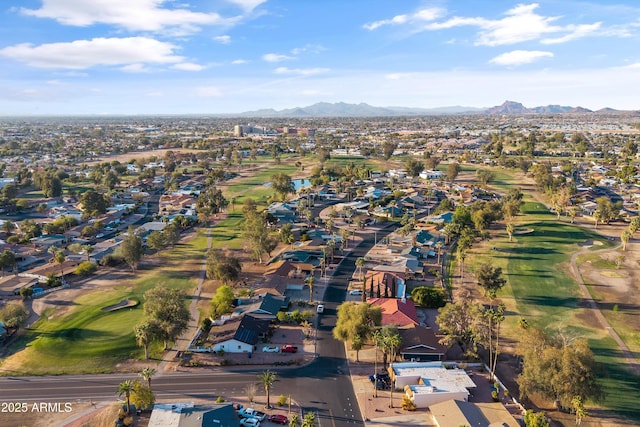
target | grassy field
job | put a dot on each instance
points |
(541, 289)
(79, 337)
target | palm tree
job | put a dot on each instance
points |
(125, 388)
(309, 281)
(59, 259)
(294, 421)
(309, 420)
(144, 336)
(359, 265)
(88, 249)
(267, 378)
(146, 375)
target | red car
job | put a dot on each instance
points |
(289, 348)
(279, 419)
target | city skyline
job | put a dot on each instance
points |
(169, 57)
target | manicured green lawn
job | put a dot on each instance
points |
(87, 339)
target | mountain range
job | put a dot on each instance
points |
(342, 109)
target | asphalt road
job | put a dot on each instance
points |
(323, 386)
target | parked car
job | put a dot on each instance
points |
(279, 419)
(252, 413)
(271, 349)
(250, 422)
(355, 292)
(320, 308)
(288, 348)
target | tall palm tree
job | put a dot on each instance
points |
(267, 378)
(59, 259)
(146, 375)
(359, 265)
(144, 333)
(125, 388)
(510, 229)
(624, 238)
(309, 281)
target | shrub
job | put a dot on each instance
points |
(494, 396)
(282, 400)
(220, 399)
(85, 268)
(206, 324)
(13, 239)
(111, 260)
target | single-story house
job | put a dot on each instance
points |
(246, 335)
(188, 414)
(460, 413)
(428, 383)
(420, 344)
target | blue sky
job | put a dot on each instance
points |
(214, 56)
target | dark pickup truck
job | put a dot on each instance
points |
(288, 349)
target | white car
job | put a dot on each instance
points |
(250, 422)
(355, 292)
(271, 349)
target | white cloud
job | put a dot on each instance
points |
(82, 54)
(520, 24)
(578, 32)
(135, 68)
(188, 66)
(423, 15)
(208, 92)
(300, 71)
(520, 57)
(239, 61)
(136, 15)
(275, 57)
(308, 48)
(225, 39)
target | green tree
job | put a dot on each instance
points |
(286, 235)
(211, 201)
(356, 320)
(14, 314)
(222, 266)
(510, 230)
(484, 177)
(625, 236)
(557, 368)
(453, 169)
(388, 147)
(579, 409)
(59, 258)
(222, 301)
(142, 397)
(282, 185)
(131, 249)
(460, 323)
(156, 240)
(428, 297)
(125, 388)
(359, 264)
(267, 378)
(165, 307)
(413, 167)
(536, 419)
(7, 260)
(490, 279)
(256, 234)
(93, 203)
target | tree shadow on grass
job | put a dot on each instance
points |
(546, 301)
(529, 251)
